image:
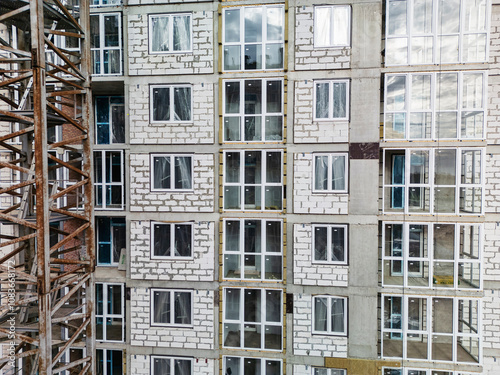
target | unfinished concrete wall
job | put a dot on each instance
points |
(307, 202)
(305, 272)
(199, 268)
(200, 199)
(199, 130)
(143, 61)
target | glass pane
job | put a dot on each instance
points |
(232, 238)
(253, 236)
(273, 306)
(253, 97)
(338, 172)
(322, 100)
(232, 97)
(273, 367)
(162, 366)
(161, 235)
(182, 244)
(422, 50)
(161, 104)
(232, 335)
(161, 172)
(273, 337)
(320, 314)
(446, 125)
(337, 247)
(397, 51)
(232, 365)
(94, 32)
(232, 129)
(471, 167)
(159, 34)
(444, 200)
(397, 17)
(252, 266)
(448, 17)
(320, 243)
(273, 267)
(232, 304)
(253, 56)
(253, 167)
(273, 96)
(253, 24)
(322, 26)
(111, 31)
(274, 128)
(232, 170)
(395, 124)
(182, 103)
(273, 167)
(447, 91)
(448, 48)
(183, 172)
(419, 167)
(161, 304)
(420, 92)
(274, 239)
(252, 305)
(232, 25)
(445, 170)
(253, 128)
(182, 366)
(182, 311)
(118, 123)
(232, 197)
(321, 173)
(232, 267)
(396, 93)
(114, 327)
(470, 200)
(472, 90)
(420, 125)
(339, 99)
(422, 16)
(341, 32)
(274, 196)
(274, 23)
(274, 56)
(182, 33)
(232, 58)
(337, 315)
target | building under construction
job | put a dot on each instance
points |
(250, 187)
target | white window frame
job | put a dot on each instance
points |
(172, 360)
(262, 43)
(406, 107)
(103, 48)
(434, 34)
(263, 185)
(319, 8)
(172, 119)
(102, 3)
(105, 315)
(172, 172)
(110, 122)
(329, 330)
(456, 262)
(242, 254)
(330, 228)
(97, 230)
(241, 114)
(170, 16)
(172, 310)
(241, 365)
(105, 184)
(431, 186)
(410, 371)
(331, 83)
(171, 228)
(262, 322)
(426, 313)
(329, 172)
(105, 353)
(327, 371)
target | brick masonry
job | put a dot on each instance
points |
(200, 268)
(199, 131)
(308, 131)
(304, 201)
(492, 183)
(308, 57)
(201, 199)
(304, 342)
(305, 272)
(144, 62)
(199, 336)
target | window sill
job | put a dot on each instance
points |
(171, 258)
(172, 325)
(328, 192)
(334, 334)
(325, 263)
(166, 123)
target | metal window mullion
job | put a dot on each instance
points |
(460, 103)
(407, 104)
(263, 180)
(458, 177)
(404, 252)
(404, 318)
(263, 320)
(433, 98)
(242, 248)
(431, 178)
(409, 23)
(264, 109)
(434, 32)
(101, 42)
(242, 108)
(242, 38)
(263, 248)
(264, 37)
(455, 328)
(406, 182)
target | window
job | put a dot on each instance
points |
(253, 318)
(171, 103)
(170, 33)
(105, 2)
(247, 365)
(436, 31)
(444, 105)
(106, 43)
(171, 365)
(253, 180)
(331, 100)
(171, 172)
(330, 315)
(455, 185)
(109, 362)
(111, 239)
(172, 307)
(332, 26)
(110, 120)
(413, 371)
(253, 110)
(330, 244)
(328, 371)
(108, 179)
(171, 240)
(253, 38)
(441, 255)
(330, 173)
(253, 249)
(440, 329)
(110, 312)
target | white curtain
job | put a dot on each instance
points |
(183, 178)
(339, 99)
(338, 173)
(323, 27)
(337, 315)
(320, 312)
(182, 33)
(182, 308)
(322, 100)
(161, 177)
(321, 168)
(160, 34)
(182, 103)
(161, 304)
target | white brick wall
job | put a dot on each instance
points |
(307, 57)
(201, 199)
(492, 184)
(491, 317)
(304, 342)
(308, 131)
(141, 365)
(201, 130)
(200, 336)
(145, 2)
(304, 201)
(307, 273)
(491, 255)
(199, 61)
(200, 268)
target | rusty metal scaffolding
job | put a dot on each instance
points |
(46, 194)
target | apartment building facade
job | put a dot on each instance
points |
(300, 187)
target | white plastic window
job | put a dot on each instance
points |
(253, 110)
(330, 173)
(106, 43)
(169, 33)
(171, 172)
(109, 178)
(253, 319)
(171, 240)
(111, 239)
(110, 312)
(253, 249)
(329, 315)
(332, 26)
(171, 103)
(249, 365)
(329, 244)
(331, 100)
(328, 371)
(253, 38)
(109, 362)
(253, 180)
(172, 307)
(161, 365)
